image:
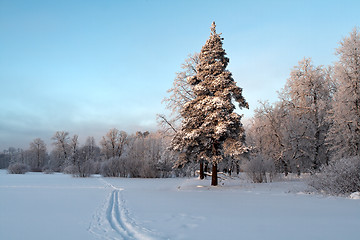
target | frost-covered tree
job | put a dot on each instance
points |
(144, 154)
(267, 134)
(4, 160)
(61, 151)
(344, 134)
(292, 131)
(210, 127)
(91, 149)
(74, 149)
(85, 159)
(113, 143)
(307, 98)
(180, 93)
(38, 153)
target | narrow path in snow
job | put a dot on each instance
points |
(113, 222)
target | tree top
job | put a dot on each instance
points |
(213, 28)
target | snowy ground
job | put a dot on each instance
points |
(57, 206)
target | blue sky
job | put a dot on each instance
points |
(88, 66)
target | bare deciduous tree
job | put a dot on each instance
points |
(38, 151)
(62, 148)
(180, 93)
(344, 134)
(113, 143)
(308, 98)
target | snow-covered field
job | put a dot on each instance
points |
(57, 206)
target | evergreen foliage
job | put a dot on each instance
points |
(210, 127)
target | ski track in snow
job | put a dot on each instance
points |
(112, 221)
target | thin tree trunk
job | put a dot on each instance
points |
(298, 170)
(38, 158)
(214, 179)
(286, 170)
(202, 170)
(316, 163)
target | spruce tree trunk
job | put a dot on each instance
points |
(206, 168)
(202, 170)
(214, 179)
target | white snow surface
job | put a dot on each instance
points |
(58, 206)
(355, 195)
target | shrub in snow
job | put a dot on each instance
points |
(339, 177)
(96, 167)
(259, 168)
(148, 170)
(71, 169)
(112, 168)
(85, 169)
(81, 169)
(47, 170)
(18, 168)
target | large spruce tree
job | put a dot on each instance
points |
(210, 128)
